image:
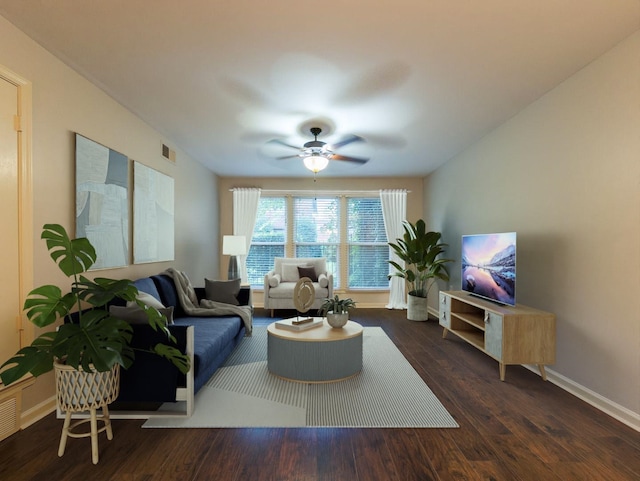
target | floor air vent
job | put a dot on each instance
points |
(8, 417)
(11, 406)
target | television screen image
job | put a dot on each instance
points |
(489, 266)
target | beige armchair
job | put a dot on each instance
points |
(280, 282)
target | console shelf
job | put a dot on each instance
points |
(509, 334)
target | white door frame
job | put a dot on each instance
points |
(23, 125)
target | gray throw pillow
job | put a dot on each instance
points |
(135, 314)
(222, 291)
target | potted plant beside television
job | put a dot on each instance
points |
(337, 310)
(420, 250)
(87, 353)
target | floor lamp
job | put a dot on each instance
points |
(234, 245)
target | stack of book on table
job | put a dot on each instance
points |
(299, 323)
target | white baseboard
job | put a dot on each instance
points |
(37, 412)
(607, 406)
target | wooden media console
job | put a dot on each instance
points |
(509, 334)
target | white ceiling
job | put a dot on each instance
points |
(420, 80)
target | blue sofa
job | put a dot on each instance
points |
(208, 341)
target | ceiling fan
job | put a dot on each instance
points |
(316, 154)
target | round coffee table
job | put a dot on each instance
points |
(319, 354)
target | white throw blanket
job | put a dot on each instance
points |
(189, 302)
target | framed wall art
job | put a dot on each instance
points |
(102, 201)
(153, 215)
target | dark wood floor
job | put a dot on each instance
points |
(520, 429)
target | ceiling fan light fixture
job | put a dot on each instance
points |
(315, 163)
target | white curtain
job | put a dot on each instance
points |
(245, 209)
(394, 212)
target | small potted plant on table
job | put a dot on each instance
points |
(337, 310)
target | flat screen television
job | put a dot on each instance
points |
(489, 266)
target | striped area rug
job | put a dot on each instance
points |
(387, 393)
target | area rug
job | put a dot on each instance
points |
(387, 393)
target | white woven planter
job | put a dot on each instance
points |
(77, 390)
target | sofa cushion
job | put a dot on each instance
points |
(136, 315)
(290, 273)
(147, 285)
(168, 293)
(222, 291)
(211, 336)
(147, 299)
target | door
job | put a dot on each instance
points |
(10, 308)
(493, 334)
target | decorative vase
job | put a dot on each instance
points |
(337, 320)
(417, 308)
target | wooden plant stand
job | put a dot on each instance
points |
(79, 391)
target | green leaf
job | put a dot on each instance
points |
(35, 359)
(156, 319)
(72, 256)
(99, 339)
(178, 359)
(44, 305)
(101, 291)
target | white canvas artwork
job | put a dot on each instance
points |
(153, 215)
(102, 201)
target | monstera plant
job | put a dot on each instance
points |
(95, 340)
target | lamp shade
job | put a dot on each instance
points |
(315, 163)
(234, 245)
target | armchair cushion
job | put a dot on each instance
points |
(319, 263)
(274, 280)
(308, 271)
(290, 273)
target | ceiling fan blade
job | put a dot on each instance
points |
(284, 144)
(359, 160)
(347, 140)
(287, 157)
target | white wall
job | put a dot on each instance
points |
(64, 103)
(565, 174)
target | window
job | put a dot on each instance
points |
(367, 244)
(348, 231)
(317, 230)
(269, 238)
